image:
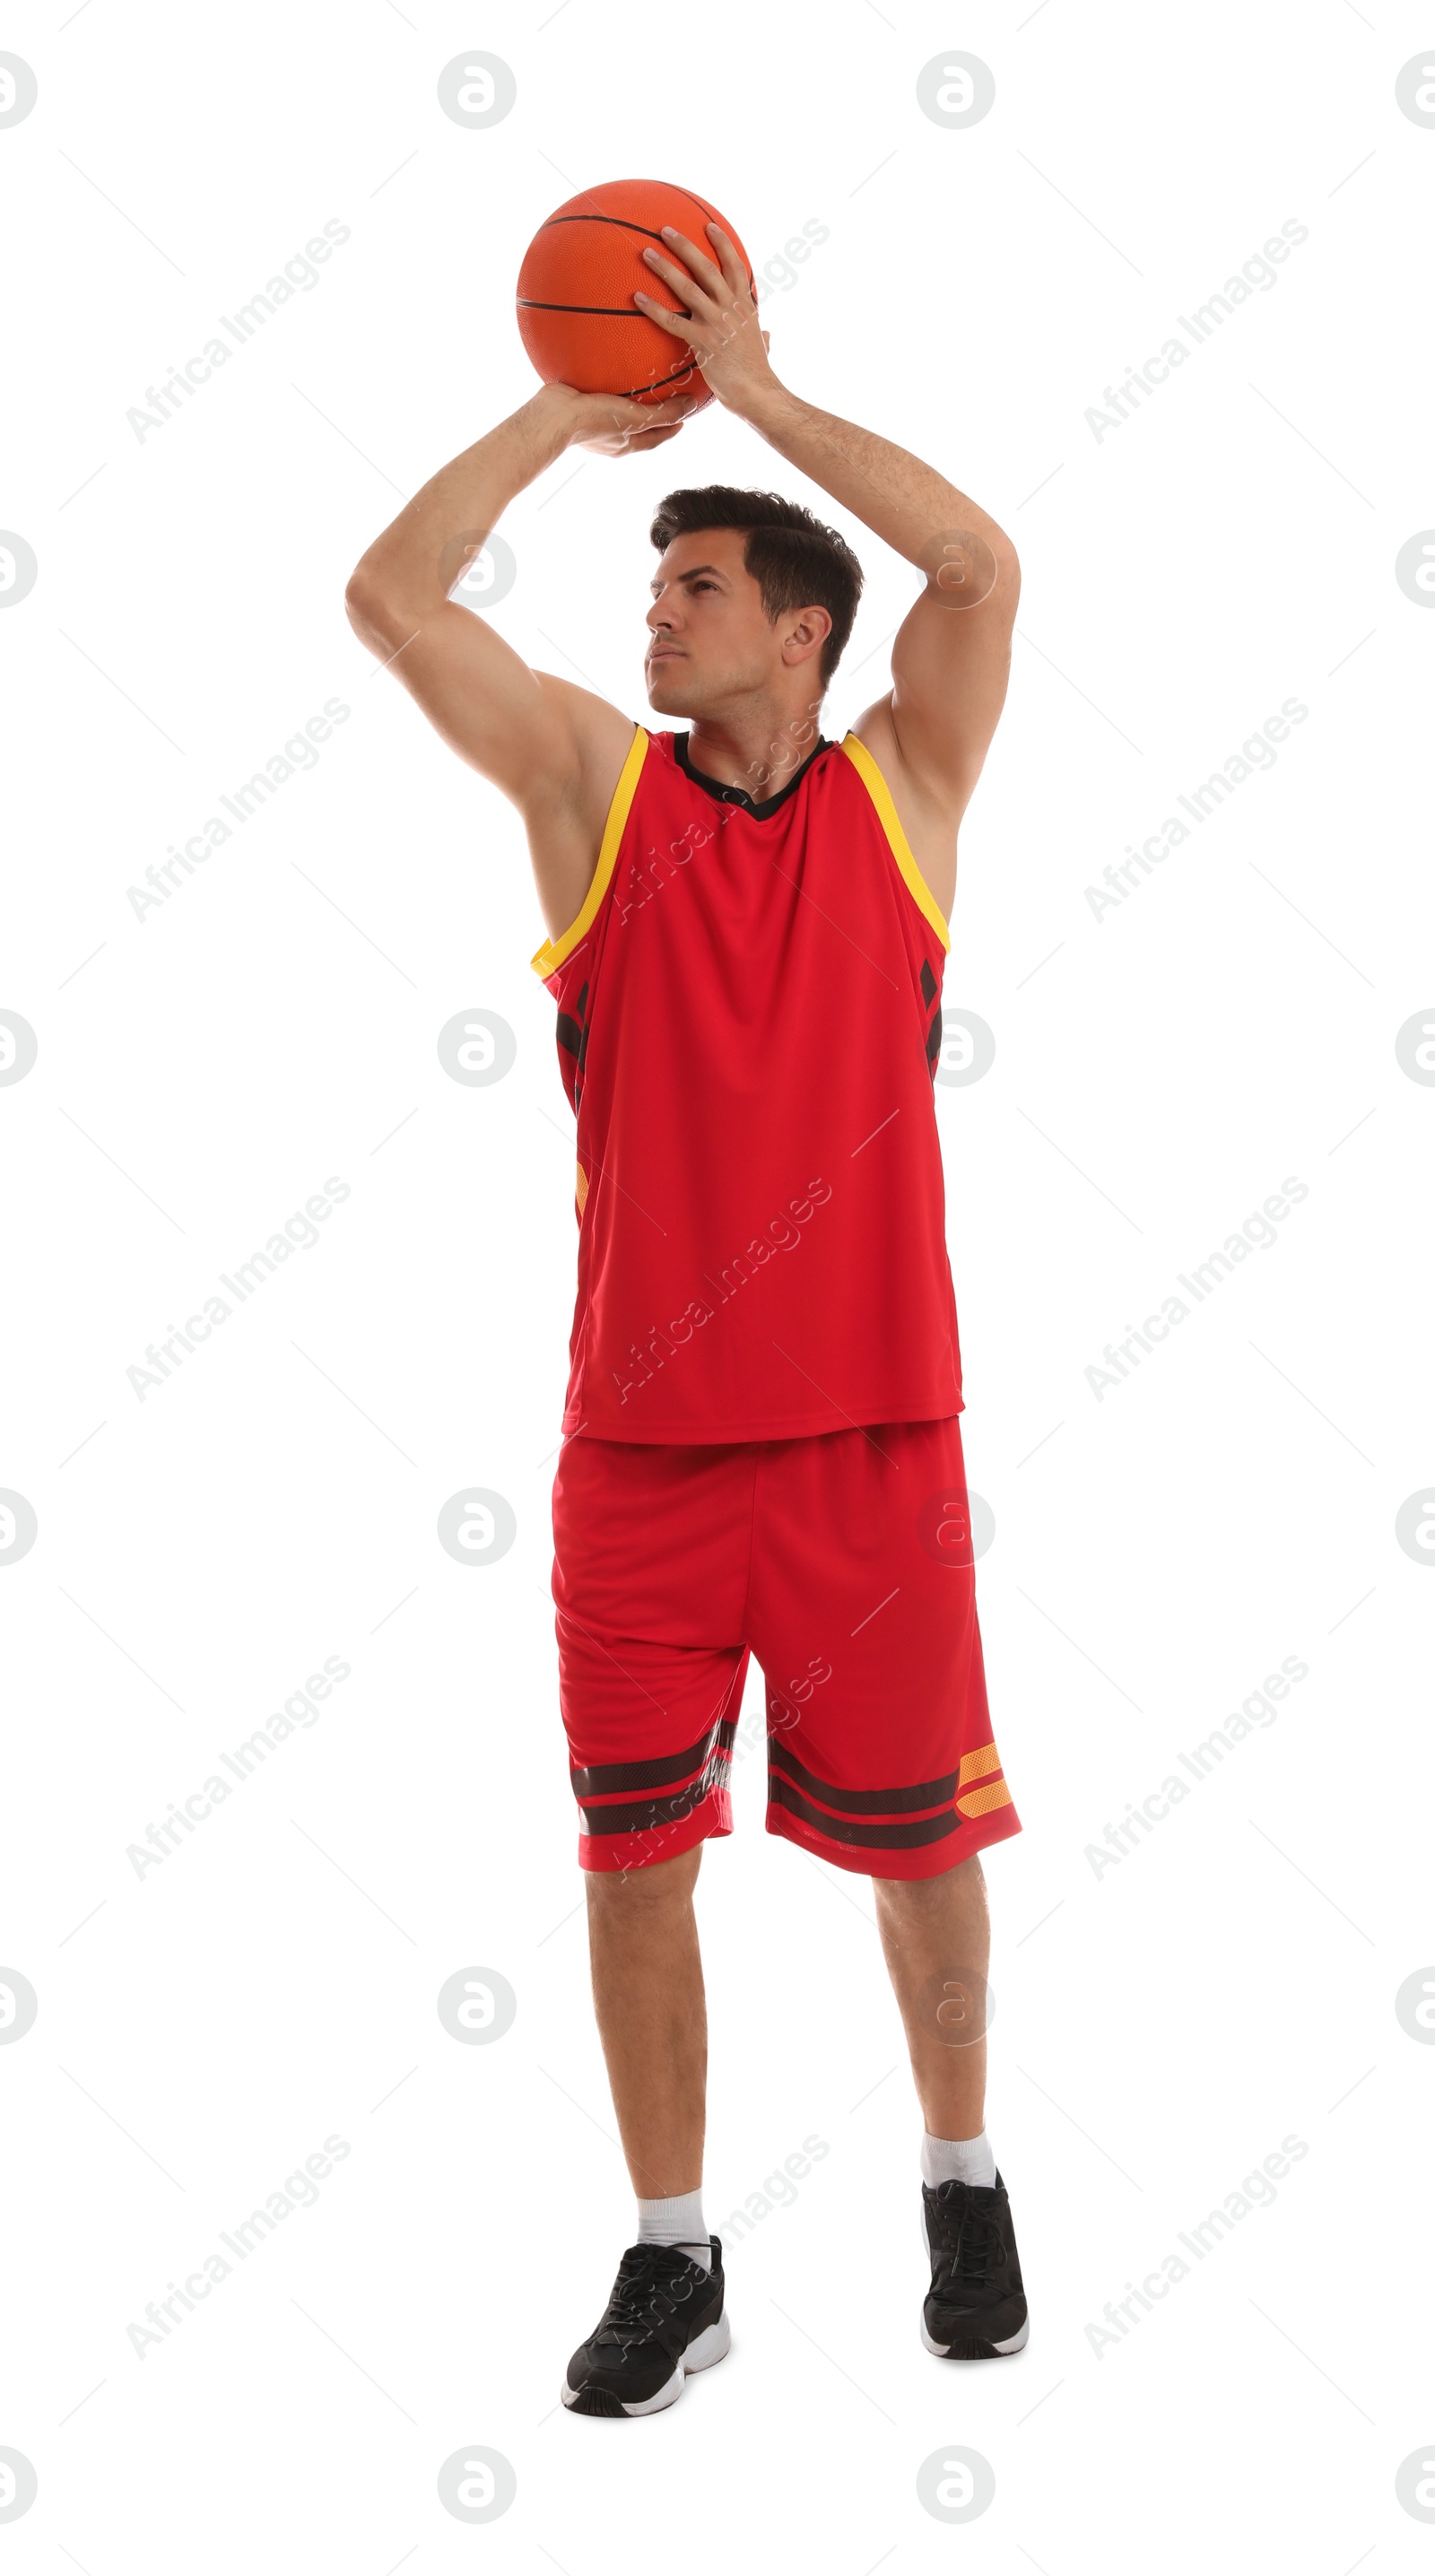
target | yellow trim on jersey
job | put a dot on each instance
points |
(553, 951)
(881, 795)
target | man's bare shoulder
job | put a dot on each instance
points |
(567, 805)
(929, 818)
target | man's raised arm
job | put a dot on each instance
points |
(952, 652)
(547, 744)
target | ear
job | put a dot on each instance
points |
(804, 637)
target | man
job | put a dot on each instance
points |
(762, 1449)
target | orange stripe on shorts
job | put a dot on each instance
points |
(980, 1802)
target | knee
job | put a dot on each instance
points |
(923, 1895)
(661, 1886)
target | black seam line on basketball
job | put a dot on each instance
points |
(710, 211)
(619, 312)
(655, 1774)
(625, 224)
(655, 385)
(635, 390)
(931, 1829)
(622, 223)
(864, 1802)
(645, 1819)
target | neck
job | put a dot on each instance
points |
(757, 751)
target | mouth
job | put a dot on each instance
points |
(665, 653)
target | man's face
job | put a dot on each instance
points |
(709, 638)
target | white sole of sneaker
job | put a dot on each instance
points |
(1014, 2343)
(710, 2346)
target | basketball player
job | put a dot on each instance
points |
(762, 1454)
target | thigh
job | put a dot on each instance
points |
(651, 1547)
(862, 1613)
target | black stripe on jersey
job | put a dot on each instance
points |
(929, 983)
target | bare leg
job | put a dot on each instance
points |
(652, 2018)
(937, 1939)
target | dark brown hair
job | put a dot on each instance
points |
(796, 561)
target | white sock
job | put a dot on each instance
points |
(952, 2160)
(677, 2222)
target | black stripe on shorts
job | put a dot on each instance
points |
(646, 1817)
(927, 1829)
(863, 1802)
(601, 1777)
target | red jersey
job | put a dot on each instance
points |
(749, 1017)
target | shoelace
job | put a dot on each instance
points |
(968, 2251)
(641, 2305)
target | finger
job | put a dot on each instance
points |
(697, 260)
(687, 288)
(725, 252)
(621, 416)
(677, 323)
(641, 415)
(665, 415)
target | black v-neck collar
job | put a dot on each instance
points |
(739, 795)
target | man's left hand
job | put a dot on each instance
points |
(720, 324)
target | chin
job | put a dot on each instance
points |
(670, 690)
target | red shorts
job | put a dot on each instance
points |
(843, 1560)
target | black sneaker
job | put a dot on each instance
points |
(976, 2307)
(665, 2318)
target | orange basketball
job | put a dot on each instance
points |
(576, 314)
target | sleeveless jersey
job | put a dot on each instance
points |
(749, 1019)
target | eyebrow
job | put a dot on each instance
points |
(690, 575)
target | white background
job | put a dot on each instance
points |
(1159, 1071)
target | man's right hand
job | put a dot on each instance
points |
(611, 425)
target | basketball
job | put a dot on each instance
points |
(576, 316)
